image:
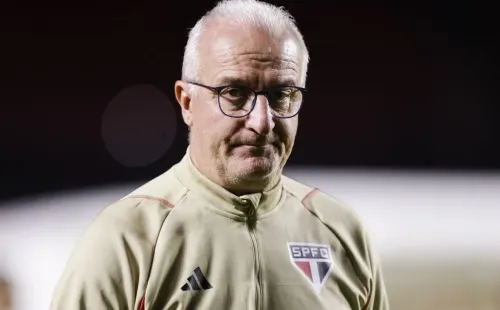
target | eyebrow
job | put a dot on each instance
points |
(228, 80)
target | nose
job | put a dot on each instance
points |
(261, 119)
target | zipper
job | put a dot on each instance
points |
(253, 237)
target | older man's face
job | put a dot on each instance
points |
(248, 153)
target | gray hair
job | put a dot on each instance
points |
(249, 13)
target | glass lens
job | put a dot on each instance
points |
(236, 100)
(285, 101)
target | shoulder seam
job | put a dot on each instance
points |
(312, 190)
(309, 195)
(161, 200)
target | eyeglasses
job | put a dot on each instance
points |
(238, 101)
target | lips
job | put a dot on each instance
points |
(255, 145)
(252, 144)
(258, 143)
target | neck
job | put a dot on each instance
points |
(253, 187)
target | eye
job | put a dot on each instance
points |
(234, 93)
(282, 93)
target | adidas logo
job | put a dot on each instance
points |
(201, 284)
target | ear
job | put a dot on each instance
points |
(184, 99)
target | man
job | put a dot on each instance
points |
(223, 229)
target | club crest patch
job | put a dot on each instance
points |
(313, 260)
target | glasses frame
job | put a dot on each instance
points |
(264, 92)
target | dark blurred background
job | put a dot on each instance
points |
(412, 85)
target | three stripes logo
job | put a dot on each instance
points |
(196, 282)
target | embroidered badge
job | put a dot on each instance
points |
(313, 260)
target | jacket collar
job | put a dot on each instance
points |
(224, 201)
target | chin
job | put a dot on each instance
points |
(254, 168)
(253, 163)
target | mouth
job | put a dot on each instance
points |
(257, 149)
(256, 145)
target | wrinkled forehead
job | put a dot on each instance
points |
(233, 52)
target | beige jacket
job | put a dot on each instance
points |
(182, 242)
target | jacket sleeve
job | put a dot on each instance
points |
(110, 264)
(377, 299)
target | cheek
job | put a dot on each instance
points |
(204, 119)
(213, 127)
(287, 129)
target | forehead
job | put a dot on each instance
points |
(249, 55)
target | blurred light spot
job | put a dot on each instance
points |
(139, 125)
